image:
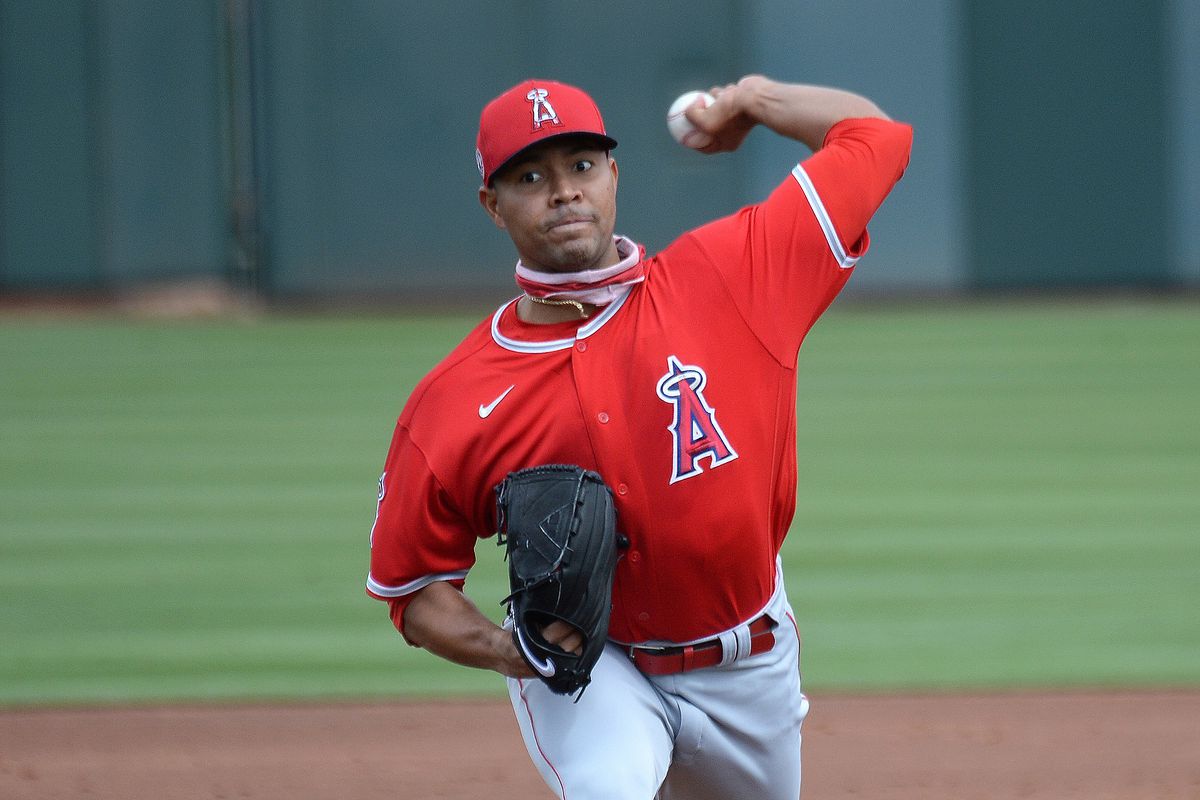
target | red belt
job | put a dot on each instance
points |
(681, 658)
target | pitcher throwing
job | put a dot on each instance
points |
(671, 376)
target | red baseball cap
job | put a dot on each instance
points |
(528, 113)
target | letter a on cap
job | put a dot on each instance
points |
(542, 110)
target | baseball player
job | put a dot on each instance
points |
(673, 376)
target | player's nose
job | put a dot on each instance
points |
(564, 188)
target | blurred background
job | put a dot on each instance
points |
(309, 149)
(997, 423)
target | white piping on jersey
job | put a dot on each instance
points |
(814, 200)
(377, 588)
(552, 345)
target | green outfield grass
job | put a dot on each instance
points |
(990, 496)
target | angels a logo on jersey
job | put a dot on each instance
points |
(694, 429)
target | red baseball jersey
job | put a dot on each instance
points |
(681, 394)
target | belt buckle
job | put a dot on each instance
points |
(649, 649)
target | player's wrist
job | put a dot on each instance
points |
(750, 96)
(506, 659)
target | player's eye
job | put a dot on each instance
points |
(530, 176)
(583, 165)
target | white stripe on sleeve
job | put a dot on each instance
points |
(383, 590)
(814, 200)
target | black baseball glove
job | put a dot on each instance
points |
(558, 523)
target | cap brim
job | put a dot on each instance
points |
(607, 141)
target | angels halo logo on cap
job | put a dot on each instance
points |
(530, 112)
(542, 110)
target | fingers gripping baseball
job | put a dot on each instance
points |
(724, 121)
(680, 127)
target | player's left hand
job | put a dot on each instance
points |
(726, 120)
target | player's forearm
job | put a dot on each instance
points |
(444, 621)
(800, 111)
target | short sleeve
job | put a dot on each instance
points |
(785, 259)
(419, 536)
(845, 182)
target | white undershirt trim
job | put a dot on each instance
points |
(383, 590)
(843, 259)
(551, 345)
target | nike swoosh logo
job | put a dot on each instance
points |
(545, 667)
(485, 411)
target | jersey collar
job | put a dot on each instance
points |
(530, 344)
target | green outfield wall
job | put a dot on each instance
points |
(316, 148)
(1068, 145)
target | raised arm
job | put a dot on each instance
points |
(798, 111)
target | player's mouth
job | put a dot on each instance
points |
(569, 224)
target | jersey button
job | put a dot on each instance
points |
(635, 556)
(643, 617)
(603, 417)
(622, 489)
(581, 347)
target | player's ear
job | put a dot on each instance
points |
(490, 203)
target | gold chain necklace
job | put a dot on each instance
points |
(548, 302)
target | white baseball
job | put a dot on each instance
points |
(681, 127)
